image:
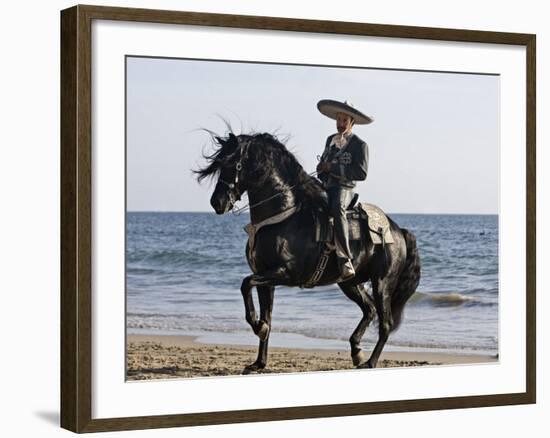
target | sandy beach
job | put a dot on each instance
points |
(164, 357)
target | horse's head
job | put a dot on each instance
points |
(256, 163)
(227, 163)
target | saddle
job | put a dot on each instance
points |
(364, 221)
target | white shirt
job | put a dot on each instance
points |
(340, 140)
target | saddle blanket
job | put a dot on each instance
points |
(362, 218)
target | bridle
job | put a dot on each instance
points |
(234, 192)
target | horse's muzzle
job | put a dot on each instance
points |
(220, 205)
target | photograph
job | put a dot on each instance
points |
(290, 218)
(266, 218)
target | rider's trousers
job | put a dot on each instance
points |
(338, 200)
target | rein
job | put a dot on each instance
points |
(246, 207)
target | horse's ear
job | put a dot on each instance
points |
(233, 140)
(220, 140)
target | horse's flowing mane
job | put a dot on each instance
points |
(263, 155)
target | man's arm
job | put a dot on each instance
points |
(324, 167)
(327, 147)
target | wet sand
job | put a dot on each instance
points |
(164, 357)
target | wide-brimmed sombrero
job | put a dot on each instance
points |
(330, 108)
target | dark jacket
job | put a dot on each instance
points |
(349, 164)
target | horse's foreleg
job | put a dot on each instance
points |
(265, 283)
(265, 297)
(249, 309)
(271, 277)
(358, 295)
(267, 278)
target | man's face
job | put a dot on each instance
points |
(343, 122)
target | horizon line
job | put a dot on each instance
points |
(393, 212)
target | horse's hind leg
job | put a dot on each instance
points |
(358, 295)
(382, 291)
(265, 297)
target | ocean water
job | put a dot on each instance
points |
(184, 271)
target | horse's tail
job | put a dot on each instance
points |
(408, 279)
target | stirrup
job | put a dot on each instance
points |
(346, 270)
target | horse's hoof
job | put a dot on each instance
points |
(358, 358)
(253, 368)
(366, 365)
(263, 331)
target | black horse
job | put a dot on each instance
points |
(286, 252)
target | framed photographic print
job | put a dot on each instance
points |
(359, 198)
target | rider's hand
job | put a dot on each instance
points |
(323, 167)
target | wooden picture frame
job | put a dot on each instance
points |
(76, 218)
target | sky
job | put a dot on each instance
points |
(433, 145)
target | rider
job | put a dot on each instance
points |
(344, 161)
